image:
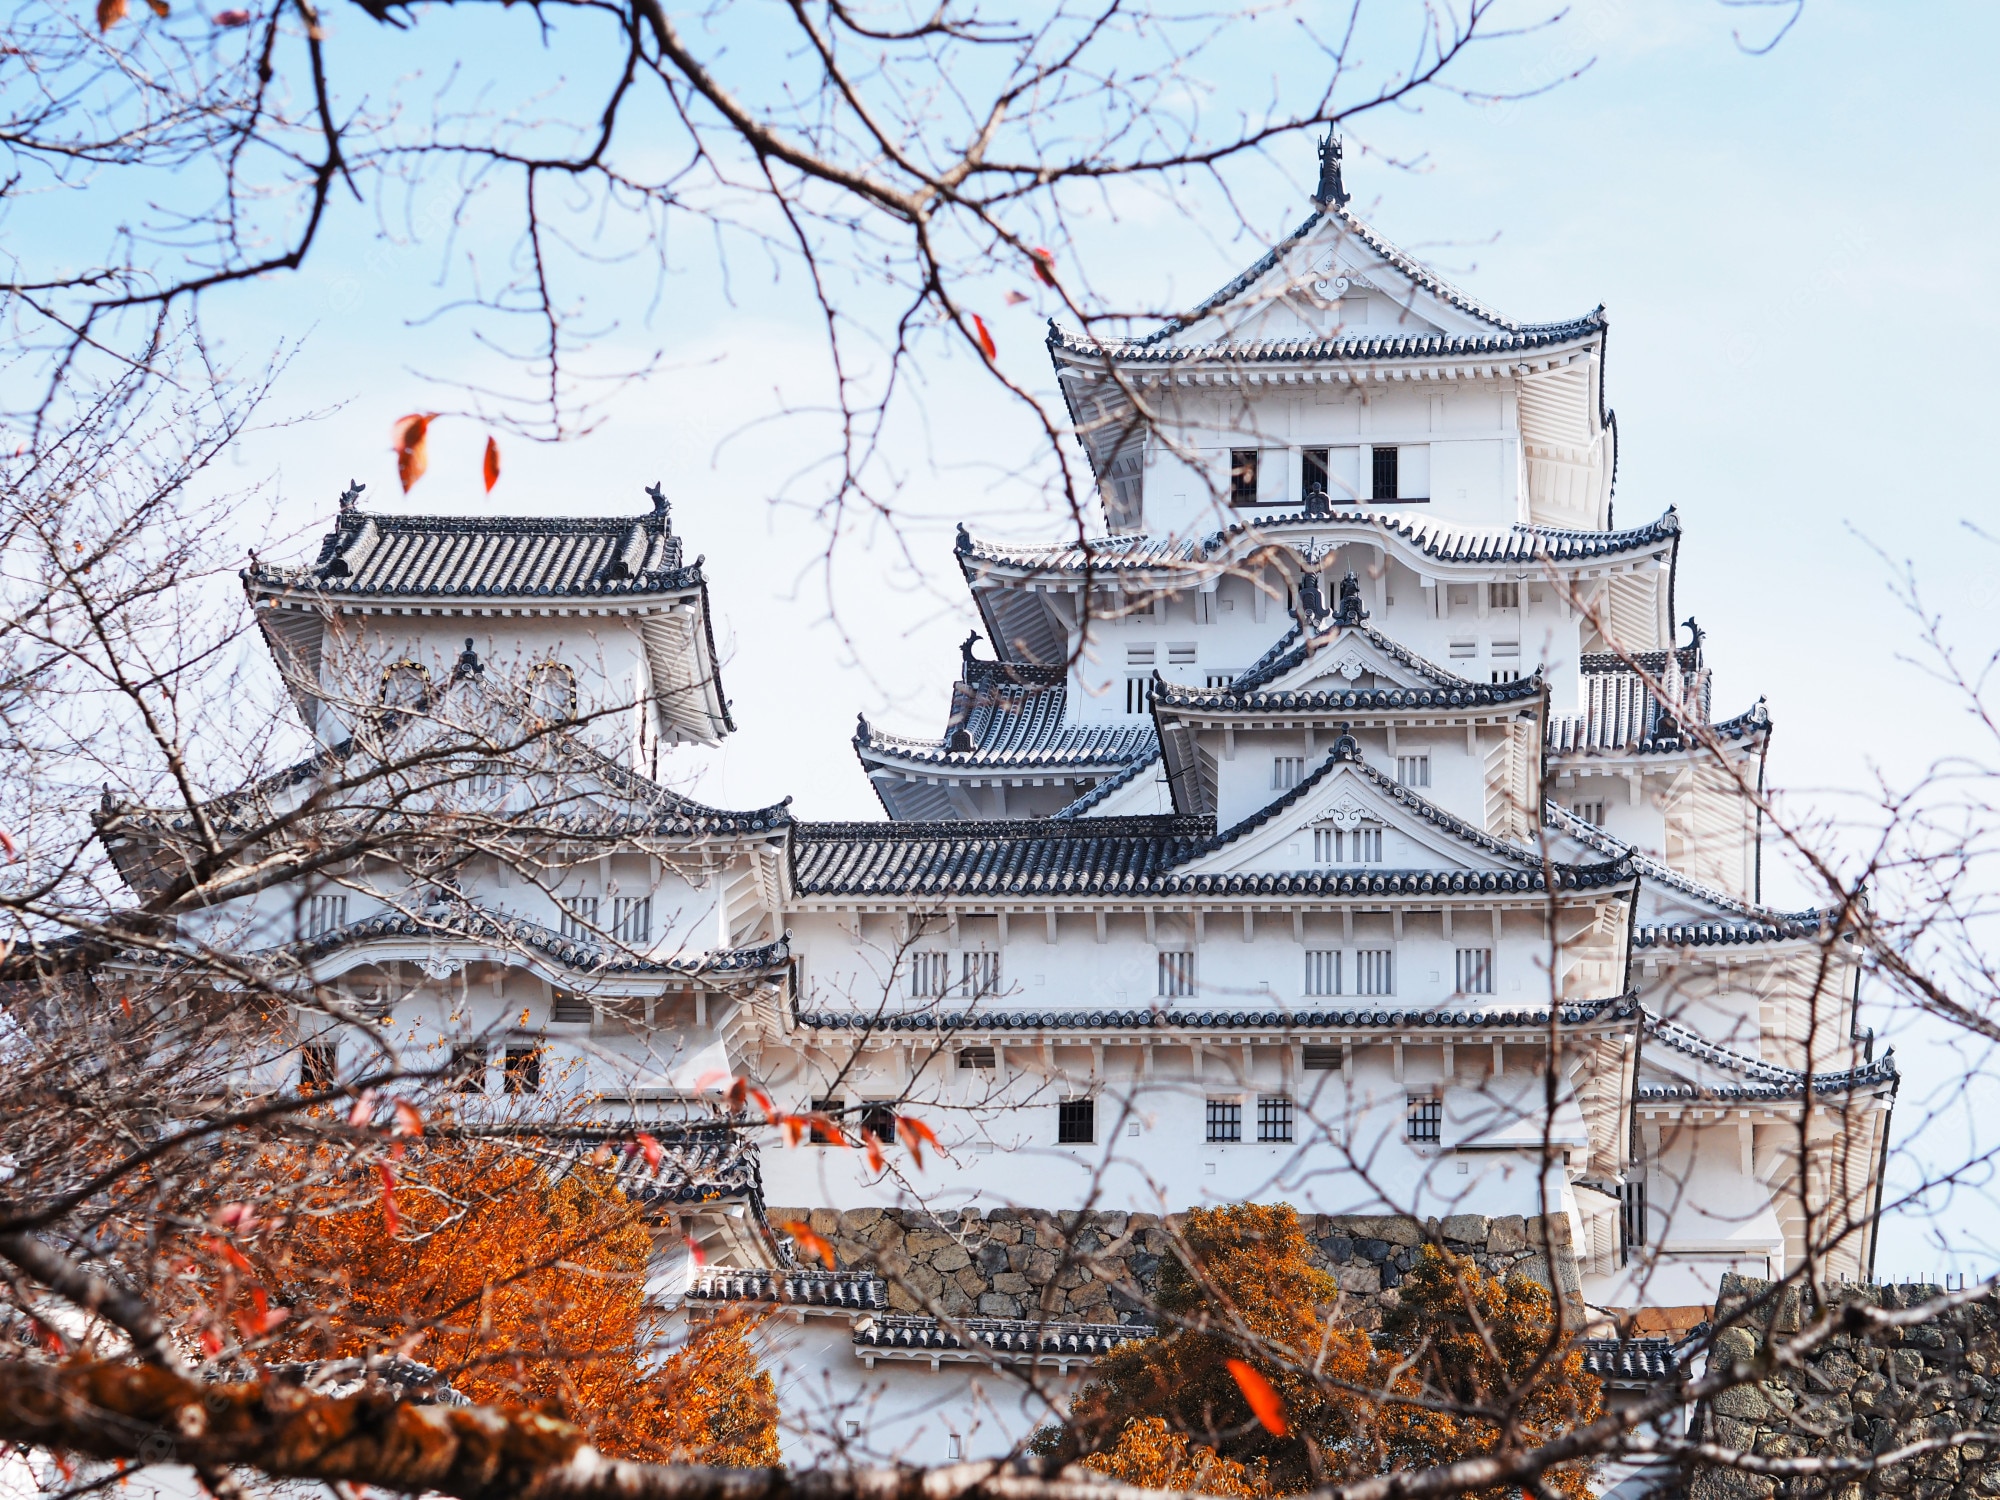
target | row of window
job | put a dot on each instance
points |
(1076, 1119)
(551, 689)
(932, 976)
(520, 1068)
(1328, 972)
(1390, 472)
(631, 918)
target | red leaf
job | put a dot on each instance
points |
(125, 1001)
(914, 1133)
(491, 468)
(109, 13)
(793, 1128)
(1045, 265)
(985, 342)
(876, 1161)
(160, 8)
(651, 1149)
(232, 18)
(409, 1121)
(739, 1091)
(409, 438)
(694, 1252)
(63, 1461)
(363, 1111)
(389, 1196)
(7, 843)
(211, 1341)
(763, 1102)
(1264, 1402)
(809, 1242)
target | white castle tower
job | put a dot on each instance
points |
(1287, 840)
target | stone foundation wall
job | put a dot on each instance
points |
(1104, 1267)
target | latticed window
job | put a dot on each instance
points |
(1242, 476)
(1374, 971)
(1475, 971)
(579, 918)
(1176, 975)
(1413, 770)
(930, 975)
(1139, 694)
(632, 919)
(1274, 1117)
(1505, 595)
(1384, 470)
(569, 1006)
(1076, 1122)
(325, 914)
(1225, 1119)
(980, 974)
(1312, 472)
(1349, 846)
(983, 1058)
(468, 1067)
(523, 1071)
(319, 1064)
(1423, 1120)
(826, 1123)
(1322, 971)
(1287, 771)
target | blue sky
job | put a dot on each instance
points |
(1797, 253)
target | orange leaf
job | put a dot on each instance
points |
(650, 1149)
(160, 8)
(763, 1102)
(388, 1196)
(211, 1341)
(409, 1121)
(125, 1001)
(914, 1133)
(1045, 265)
(876, 1161)
(826, 1130)
(1264, 1402)
(739, 1091)
(491, 468)
(694, 1252)
(985, 342)
(409, 438)
(7, 843)
(809, 1242)
(110, 13)
(363, 1111)
(792, 1127)
(232, 18)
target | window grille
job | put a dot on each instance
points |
(1176, 975)
(1375, 971)
(1287, 771)
(930, 976)
(1139, 694)
(980, 973)
(1220, 679)
(319, 1065)
(1413, 770)
(579, 919)
(1423, 1122)
(1590, 812)
(468, 1067)
(1225, 1119)
(1356, 846)
(568, 1005)
(1321, 1059)
(1632, 1214)
(1312, 472)
(325, 914)
(523, 1070)
(1076, 1122)
(1384, 474)
(1274, 1117)
(978, 1057)
(486, 777)
(1242, 476)
(1504, 595)
(632, 919)
(1322, 971)
(1505, 674)
(826, 1128)
(1475, 971)
(879, 1120)
(1181, 654)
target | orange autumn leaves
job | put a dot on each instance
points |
(409, 439)
(518, 1285)
(1260, 1392)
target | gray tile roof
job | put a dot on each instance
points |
(1626, 1361)
(1581, 1013)
(1097, 795)
(1294, 646)
(1789, 927)
(1564, 821)
(1521, 690)
(1353, 348)
(694, 1165)
(1763, 1080)
(859, 1290)
(1008, 1339)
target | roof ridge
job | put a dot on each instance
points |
(1653, 869)
(1106, 787)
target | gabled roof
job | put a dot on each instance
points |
(1102, 792)
(1296, 647)
(1757, 1078)
(1243, 696)
(1064, 341)
(1650, 869)
(1575, 734)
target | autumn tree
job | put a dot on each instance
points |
(521, 1284)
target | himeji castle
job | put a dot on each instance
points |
(1352, 793)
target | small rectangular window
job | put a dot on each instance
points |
(1383, 474)
(579, 919)
(319, 1065)
(1287, 771)
(1590, 812)
(1181, 654)
(879, 1120)
(1274, 1117)
(982, 1058)
(1225, 1119)
(1242, 476)
(979, 974)
(1506, 650)
(1505, 674)
(1321, 1059)
(468, 1067)
(1413, 770)
(1461, 649)
(1504, 595)
(1423, 1121)
(826, 1126)
(325, 914)
(954, 1448)
(1475, 971)
(1322, 971)
(1076, 1122)
(1632, 1211)
(1141, 656)
(1139, 694)
(1312, 473)
(1219, 679)
(568, 1005)
(930, 975)
(632, 920)
(524, 1070)
(1375, 971)
(1176, 975)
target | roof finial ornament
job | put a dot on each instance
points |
(965, 647)
(1332, 191)
(964, 543)
(1346, 747)
(1312, 600)
(468, 664)
(1350, 611)
(351, 496)
(1696, 636)
(659, 498)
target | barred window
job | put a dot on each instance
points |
(1423, 1121)
(1242, 476)
(1352, 846)
(1384, 474)
(325, 914)
(523, 1070)
(1413, 770)
(1287, 771)
(930, 975)
(632, 919)
(1139, 694)
(978, 1057)
(1322, 971)
(1312, 472)
(1590, 812)
(826, 1129)
(879, 1120)
(1076, 1122)
(568, 1005)
(319, 1065)
(980, 974)
(468, 1067)
(1176, 975)
(1475, 971)
(1505, 595)
(1274, 1117)
(1375, 971)
(579, 919)
(1505, 674)
(1632, 1212)
(1225, 1119)
(1181, 654)
(1321, 1059)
